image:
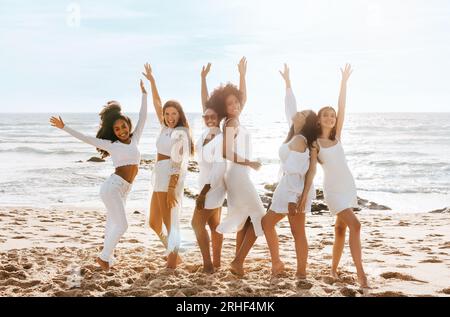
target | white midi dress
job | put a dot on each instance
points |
(212, 167)
(243, 200)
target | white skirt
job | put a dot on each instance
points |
(243, 201)
(289, 189)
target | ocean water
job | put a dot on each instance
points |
(401, 160)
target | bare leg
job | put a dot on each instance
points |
(173, 258)
(156, 220)
(237, 265)
(297, 223)
(354, 226)
(268, 223)
(240, 236)
(217, 238)
(340, 228)
(198, 223)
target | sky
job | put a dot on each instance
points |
(73, 56)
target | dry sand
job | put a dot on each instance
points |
(51, 252)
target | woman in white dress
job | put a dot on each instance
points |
(295, 159)
(211, 183)
(173, 146)
(114, 138)
(338, 184)
(245, 208)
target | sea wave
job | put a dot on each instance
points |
(31, 150)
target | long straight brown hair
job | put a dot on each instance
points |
(182, 121)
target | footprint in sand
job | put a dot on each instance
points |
(304, 284)
(431, 260)
(348, 292)
(400, 276)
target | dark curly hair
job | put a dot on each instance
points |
(333, 131)
(310, 129)
(218, 97)
(108, 116)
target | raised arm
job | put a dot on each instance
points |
(309, 178)
(346, 72)
(205, 94)
(242, 68)
(99, 143)
(290, 103)
(142, 114)
(155, 95)
(228, 152)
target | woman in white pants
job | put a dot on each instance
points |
(174, 146)
(114, 138)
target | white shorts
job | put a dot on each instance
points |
(161, 176)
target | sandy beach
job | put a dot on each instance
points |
(50, 252)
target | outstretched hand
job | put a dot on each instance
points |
(148, 72)
(144, 91)
(285, 73)
(346, 72)
(242, 66)
(57, 122)
(205, 70)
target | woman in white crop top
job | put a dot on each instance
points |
(174, 146)
(295, 155)
(244, 206)
(114, 139)
(212, 167)
(338, 184)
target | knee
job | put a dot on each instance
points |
(155, 226)
(213, 227)
(196, 224)
(340, 229)
(355, 226)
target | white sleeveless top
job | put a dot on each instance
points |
(122, 154)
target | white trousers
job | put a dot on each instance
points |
(114, 192)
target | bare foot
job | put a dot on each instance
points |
(277, 268)
(334, 274)
(300, 275)
(216, 264)
(103, 264)
(172, 260)
(363, 283)
(179, 260)
(208, 269)
(237, 269)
